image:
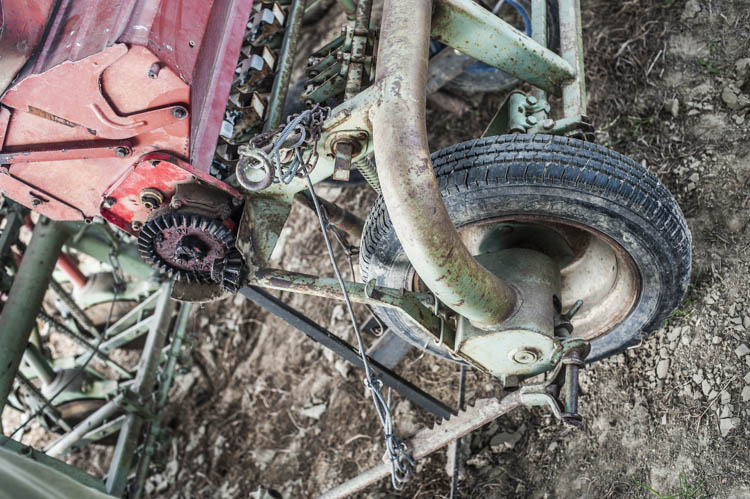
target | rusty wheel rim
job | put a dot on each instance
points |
(593, 267)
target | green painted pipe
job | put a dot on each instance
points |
(410, 189)
(25, 298)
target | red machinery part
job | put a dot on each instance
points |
(112, 82)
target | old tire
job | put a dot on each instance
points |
(568, 185)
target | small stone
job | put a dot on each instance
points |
(692, 8)
(742, 67)
(662, 368)
(728, 424)
(746, 321)
(732, 309)
(673, 106)
(503, 441)
(342, 367)
(745, 393)
(725, 397)
(664, 420)
(673, 334)
(314, 412)
(726, 411)
(716, 340)
(742, 350)
(698, 378)
(705, 387)
(747, 378)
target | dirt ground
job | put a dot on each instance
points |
(260, 407)
(265, 408)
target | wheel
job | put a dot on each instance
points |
(483, 78)
(620, 239)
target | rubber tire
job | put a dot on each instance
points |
(567, 178)
(498, 81)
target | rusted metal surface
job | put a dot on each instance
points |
(338, 217)
(285, 65)
(410, 189)
(413, 304)
(524, 344)
(571, 48)
(429, 440)
(468, 27)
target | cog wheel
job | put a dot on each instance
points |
(185, 245)
(230, 272)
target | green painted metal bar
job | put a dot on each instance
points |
(167, 376)
(25, 298)
(410, 189)
(130, 433)
(285, 65)
(93, 242)
(539, 34)
(470, 28)
(65, 443)
(571, 48)
(40, 457)
(359, 48)
(38, 364)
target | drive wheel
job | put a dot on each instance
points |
(621, 240)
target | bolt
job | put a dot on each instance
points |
(531, 120)
(191, 43)
(179, 112)
(136, 226)
(122, 151)
(153, 71)
(110, 201)
(176, 203)
(548, 124)
(36, 202)
(525, 356)
(531, 100)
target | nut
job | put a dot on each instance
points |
(179, 112)
(136, 226)
(151, 198)
(109, 202)
(122, 151)
(525, 356)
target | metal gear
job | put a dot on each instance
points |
(185, 245)
(229, 272)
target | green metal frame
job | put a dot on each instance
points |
(400, 145)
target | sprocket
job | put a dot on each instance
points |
(185, 245)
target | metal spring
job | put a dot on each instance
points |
(366, 167)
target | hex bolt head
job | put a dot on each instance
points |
(179, 112)
(548, 124)
(110, 201)
(122, 151)
(531, 120)
(531, 100)
(525, 356)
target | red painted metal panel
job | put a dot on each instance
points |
(23, 25)
(213, 76)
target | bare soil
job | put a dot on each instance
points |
(260, 407)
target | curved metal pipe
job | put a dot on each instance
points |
(410, 189)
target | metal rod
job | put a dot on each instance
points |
(475, 31)
(78, 314)
(571, 48)
(428, 441)
(345, 350)
(50, 411)
(410, 188)
(338, 217)
(25, 298)
(148, 366)
(167, 376)
(457, 448)
(359, 48)
(67, 265)
(81, 341)
(539, 34)
(348, 6)
(63, 444)
(412, 304)
(33, 356)
(285, 66)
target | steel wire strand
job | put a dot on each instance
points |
(401, 463)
